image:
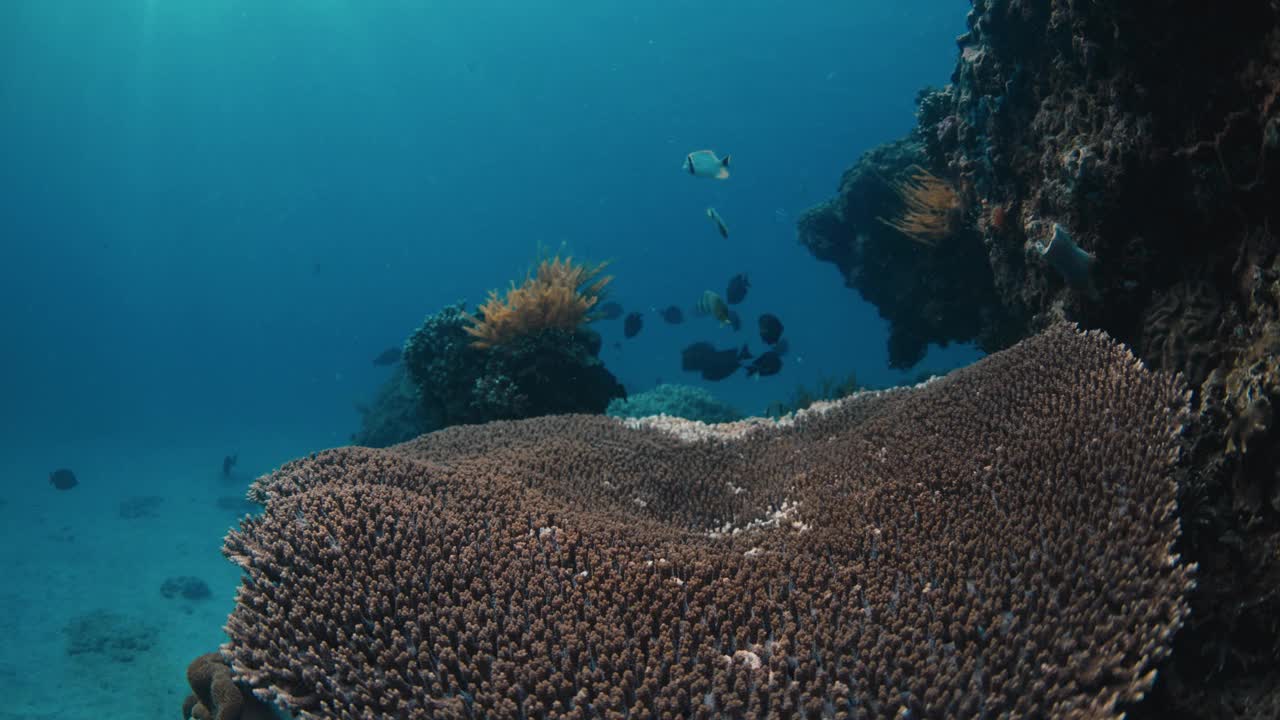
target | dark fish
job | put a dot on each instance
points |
(673, 315)
(712, 364)
(738, 285)
(609, 311)
(770, 328)
(735, 320)
(228, 462)
(390, 356)
(722, 368)
(767, 364)
(631, 326)
(63, 479)
(782, 347)
(695, 356)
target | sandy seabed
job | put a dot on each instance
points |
(89, 632)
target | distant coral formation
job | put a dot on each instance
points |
(555, 370)
(187, 587)
(997, 543)
(826, 389)
(394, 415)
(115, 637)
(684, 401)
(560, 296)
(525, 354)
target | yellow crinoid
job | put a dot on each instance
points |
(559, 294)
(930, 207)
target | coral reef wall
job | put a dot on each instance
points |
(1147, 133)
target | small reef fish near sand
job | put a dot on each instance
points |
(704, 163)
(63, 479)
(719, 222)
(712, 304)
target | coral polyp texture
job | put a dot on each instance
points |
(559, 295)
(995, 543)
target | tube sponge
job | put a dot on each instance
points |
(1072, 263)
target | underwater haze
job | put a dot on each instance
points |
(215, 215)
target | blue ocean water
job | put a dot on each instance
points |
(214, 215)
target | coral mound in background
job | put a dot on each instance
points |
(998, 542)
(549, 371)
(527, 352)
(682, 401)
(449, 380)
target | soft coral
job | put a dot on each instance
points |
(560, 294)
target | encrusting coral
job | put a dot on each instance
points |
(930, 207)
(560, 295)
(995, 543)
(215, 696)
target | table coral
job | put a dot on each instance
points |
(998, 542)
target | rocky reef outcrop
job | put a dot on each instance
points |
(1116, 163)
(447, 380)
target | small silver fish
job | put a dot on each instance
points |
(704, 163)
(719, 221)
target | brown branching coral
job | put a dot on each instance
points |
(996, 543)
(560, 294)
(930, 207)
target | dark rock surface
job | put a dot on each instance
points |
(448, 381)
(1150, 133)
